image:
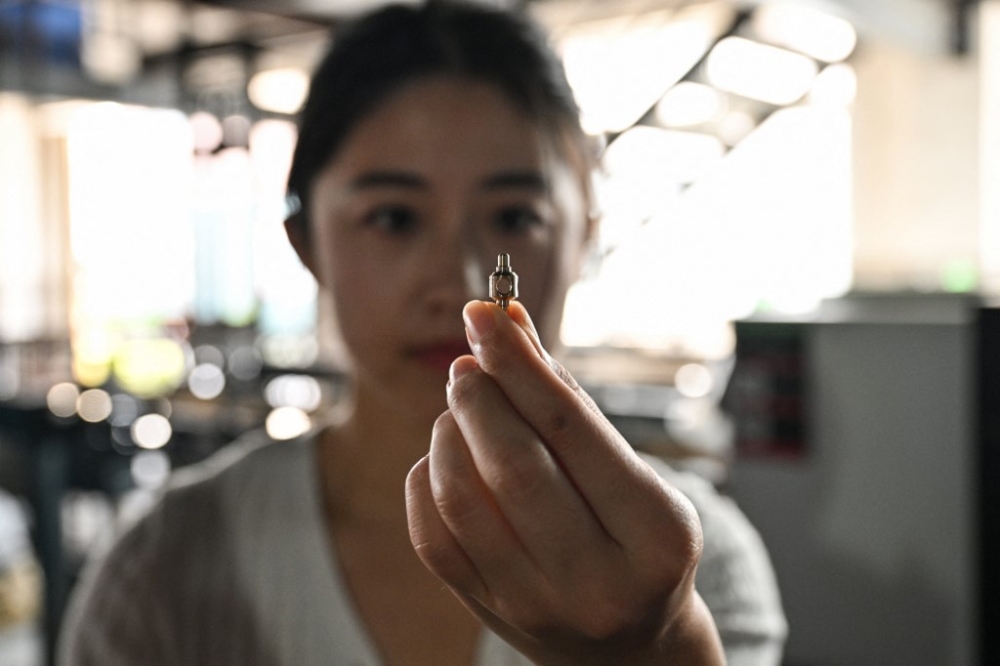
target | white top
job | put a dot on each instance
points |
(232, 567)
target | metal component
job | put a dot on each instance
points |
(503, 282)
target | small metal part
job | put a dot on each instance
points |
(503, 282)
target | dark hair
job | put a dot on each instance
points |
(379, 53)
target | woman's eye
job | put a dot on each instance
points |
(392, 219)
(517, 219)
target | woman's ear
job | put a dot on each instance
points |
(298, 237)
(593, 228)
(589, 258)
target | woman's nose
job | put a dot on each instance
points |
(456, 270)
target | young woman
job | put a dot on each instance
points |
(472, 506)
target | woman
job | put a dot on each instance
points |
(434, 139)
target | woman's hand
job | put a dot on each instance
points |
(543, 521)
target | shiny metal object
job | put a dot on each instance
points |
(503, 282)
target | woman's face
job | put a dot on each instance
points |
(408, 220)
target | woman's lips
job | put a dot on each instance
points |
(439, 355)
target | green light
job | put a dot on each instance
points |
(960, 276)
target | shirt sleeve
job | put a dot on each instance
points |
(113, 617)
(168, 591)
(735, 577)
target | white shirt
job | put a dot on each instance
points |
(233, 567)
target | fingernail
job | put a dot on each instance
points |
(478, 320)
(462, 365)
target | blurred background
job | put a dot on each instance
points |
(806, 193)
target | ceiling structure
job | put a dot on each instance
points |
(142, 47)
(923, 24)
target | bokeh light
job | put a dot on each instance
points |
(93, 351)
(150, 469)
(693, 380)
(124, 410)
(245, 363)
(94, 405)
(206, 381)
(150, 367)
(287, 423)
(209, 354)
(281, 90)
(110, 58)
(960, 276)
(289, 351)
(206, 130)
(62, 399)
(301, 391)
(151, 431)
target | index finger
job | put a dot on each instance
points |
(625, 494)
(508, 347)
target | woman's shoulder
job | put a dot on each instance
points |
(241, 462)
(200, 498)
(195, 493)
(181, 558)
(206, 510)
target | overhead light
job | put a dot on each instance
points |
(805, 29)
(688, 104)
(645, 169)
(619, 68)
(281, 90)
(735, 127)
(836, 85)
(758, 71)
(661, 157)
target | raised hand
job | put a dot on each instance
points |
(538, 515)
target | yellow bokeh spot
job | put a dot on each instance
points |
(91, 373)
(93, 351)
(149, 368)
